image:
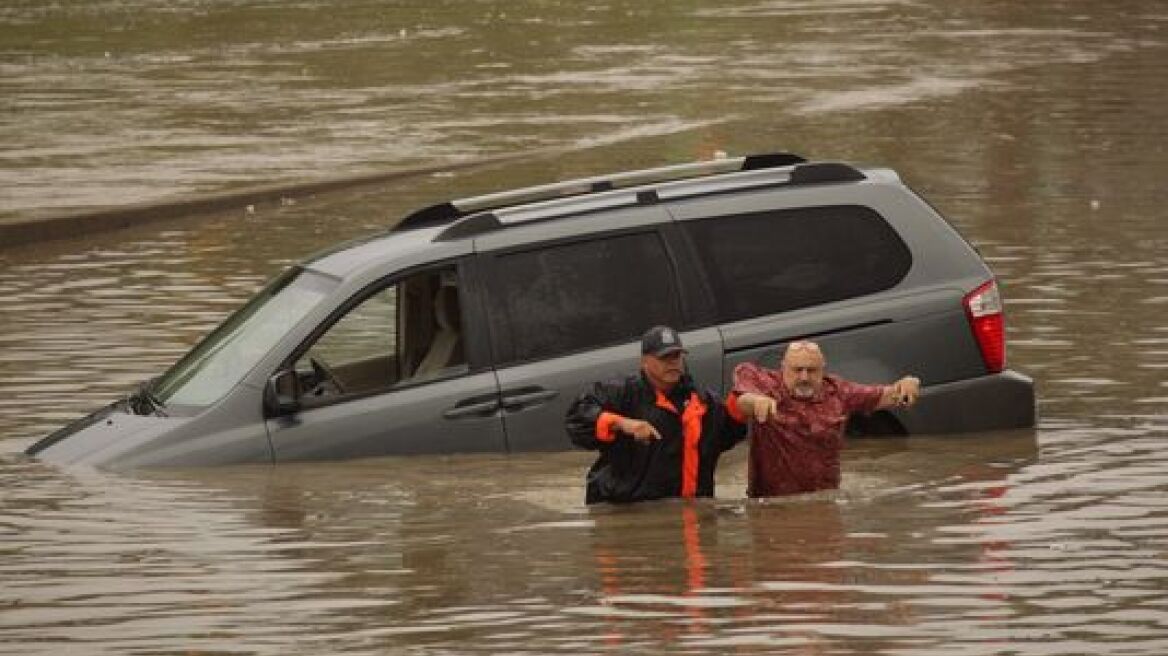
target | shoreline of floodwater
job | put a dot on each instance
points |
(22, 231)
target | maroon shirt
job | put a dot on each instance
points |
(799, 450)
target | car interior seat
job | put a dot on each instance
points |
(445, 347)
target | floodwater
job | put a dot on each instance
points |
(1038, 128)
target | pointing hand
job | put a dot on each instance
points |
(760, 406)
(640, 430)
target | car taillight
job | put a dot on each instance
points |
(983, 306)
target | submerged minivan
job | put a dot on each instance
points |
(471, 325)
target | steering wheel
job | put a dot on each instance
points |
(325, 381)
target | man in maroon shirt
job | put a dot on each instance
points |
(799, 413)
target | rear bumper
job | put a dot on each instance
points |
(995, 402)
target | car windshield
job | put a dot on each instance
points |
(223, 358)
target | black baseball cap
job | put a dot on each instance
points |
(660, 341)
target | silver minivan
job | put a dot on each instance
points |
(471, 325)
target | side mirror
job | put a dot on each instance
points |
(282, 393)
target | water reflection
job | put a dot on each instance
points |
(932, 543)
(387, 554)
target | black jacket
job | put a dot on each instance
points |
(631, 470)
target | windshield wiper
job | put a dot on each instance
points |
(143, 402)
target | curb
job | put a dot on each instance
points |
(28, 231)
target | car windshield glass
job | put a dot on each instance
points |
(223, 358)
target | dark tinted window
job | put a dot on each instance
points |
(581, 295)
(776, 261)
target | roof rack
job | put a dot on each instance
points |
(480, 222)
(477, 215)
(443, 213)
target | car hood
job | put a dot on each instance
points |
(101, 435)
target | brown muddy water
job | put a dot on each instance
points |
(1038, 128)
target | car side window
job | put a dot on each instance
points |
(769, 262)
(570, 297)
(407, 332)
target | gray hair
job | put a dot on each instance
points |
(803, 345)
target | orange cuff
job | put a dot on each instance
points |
(606, 426)
(733, 409)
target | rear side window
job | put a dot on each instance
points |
(571, 297)
(782, 260)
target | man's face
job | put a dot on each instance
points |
(664, 371)
(803, 371)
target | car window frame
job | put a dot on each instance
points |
(499, 321)
(686, 233)
(477, 360)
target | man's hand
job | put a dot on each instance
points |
(760, 406)
(639, 430)
(906, 391)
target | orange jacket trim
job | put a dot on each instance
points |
(663, 402)
(691, 433)
(691, 430)
(606, 426)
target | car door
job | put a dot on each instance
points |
(394, 371)
(568, 313)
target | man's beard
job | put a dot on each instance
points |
(803, 391)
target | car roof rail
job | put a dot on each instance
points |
(814, 172)
(443, 213)
(477, 223)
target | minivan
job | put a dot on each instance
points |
(471, 325)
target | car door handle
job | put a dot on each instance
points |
(472, 408)
(527, 396)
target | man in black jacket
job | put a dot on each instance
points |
(658, 435)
